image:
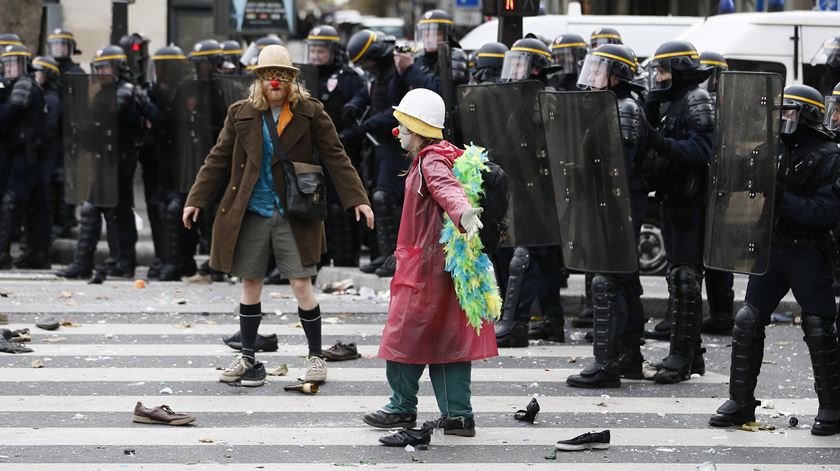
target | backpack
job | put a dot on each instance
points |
(494, 201)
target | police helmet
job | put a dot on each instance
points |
(828, 54)
(10, 39)
(526, 58)
(801, 104)
(252, 54)
(433, 28)
(61, 44)
(604, 36)
(367, 45)
(15, 60)
(671, 58)
(832, 109)
(716, 63)
(604, 62)
(47, 65)
(110, 60)
(207, 50)
(323, 46)
(568, 51)
(231, 56)
(489, 60)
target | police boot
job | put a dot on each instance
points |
(662, 330)
(8, 208)
(90, 227)
(747, 354)
(825, 360)
(631, 359)
(512, 328)
(173, 228)
(550, 328)
(340, 229)
(114, 265)
(605, 371)
(584, 317)
(721, 300)
(685, 355)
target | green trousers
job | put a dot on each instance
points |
(451, 383)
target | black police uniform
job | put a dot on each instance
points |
(807, 208)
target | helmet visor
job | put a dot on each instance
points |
(567, 56)
(431, 34)
(828, 54)
(60, 48)
(14, 67)
(790, 116)
(832, 112)
(601, 39)
(318, 53)
(659, 74)
(517, 66)
(595, 73)
(250, 56)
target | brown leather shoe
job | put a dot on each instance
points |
(341, 352)
(159, 415)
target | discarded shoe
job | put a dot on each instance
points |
(253, 377)
(50, 323)
(198, 278)
(529, 413)
(341, 352)
(459, 426)
(264, 343)
(587, 441)
(10, 347)
(20, 336)
(382, 419)
(159, 415)
(409, 436)
(4, 319)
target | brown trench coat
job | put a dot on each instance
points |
(238, 151)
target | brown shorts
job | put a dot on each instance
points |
(257, 237)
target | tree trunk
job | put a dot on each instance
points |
(25, 21)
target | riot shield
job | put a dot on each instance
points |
(185, 125)
(742, 177)
(227, 90)
(588, 168)
(308, 76)
(91, 140)
(505, 119)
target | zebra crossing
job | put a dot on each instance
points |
(75, 412)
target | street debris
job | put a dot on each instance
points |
(50, 323)
(139, 284)
(280, 370)
(37, 364)
(304, 388)
(756, 426)
(529, 413)
(167, 390)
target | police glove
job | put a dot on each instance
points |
(470, 221)
(655, 140)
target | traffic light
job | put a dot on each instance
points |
(510, 7)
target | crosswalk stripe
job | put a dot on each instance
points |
(200, 329)
(427, 404)
(355, 436)
(340, 373)
(409, 466)
(134, 350)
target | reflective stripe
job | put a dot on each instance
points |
(717, 63)
(806, 100)
(560, 46)
(618, 58)
(443, 21)
(47, 65)
(490, 54)
(323, 38)
(16, 53)
(169, 57)
(836, 92)
(693, 54)
(11, 43)
(61, 36)
(206, 53)
(107, 58)
(370, 41)
(606, 35)
(232, 51)
(528, 49)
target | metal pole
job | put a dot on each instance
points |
(510, 29)
(119, 20)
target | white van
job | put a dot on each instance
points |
(643, 34)
(782, 42)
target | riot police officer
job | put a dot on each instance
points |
(250, 56)
(23, 119)
(567, 52)
(110, 61)
(807, 207)
(337, 84)
(528, 59)
(717, 63)
(61, 45)
(421, 70)
(208, 57)
(603, 36)
(231, 57)
(828, 59)
(371, 109)
(488, 61)
(618, 314)
(684, 119)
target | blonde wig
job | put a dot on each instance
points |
(258, 101)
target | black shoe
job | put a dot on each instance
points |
(584, 318)
(253, 377)
(374, 264)
(382, 419)
(714, 326)
(529, 413)
(33, 261)
(264, 343)
(662, 331)
(517, 338)
(74, 271)
(547, 328)
(460, 426)
(596, 376)
(730, 413)
(388, 268)
(409, 436)
(826, 423)
(587, 441)
(154, 270)
(122, 269)
(630, 364)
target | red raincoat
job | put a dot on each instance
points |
(425, 322)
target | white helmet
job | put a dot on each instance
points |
(423, 112)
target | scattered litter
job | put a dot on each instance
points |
(367, 293)
(793, 422)
(648, 369)
(330, 320)
(183, 325)
(182, 301)
(70, 324)
(768, 362)
(4, 318)
(529, 413)
(37, 364)
(660, 414)
(666, 450)
(534, 385)
(128, 452)
(781, 343)
(781, 318)
(53, 339)
(249, 412)
(305, 388)
(279, 295)
(769, 404)
(139, 284)
(80, 417)
(338, 286)
(707, 466)
(601, 404)
(756, 426)
(572, 360)
(281, 370)
(167, 390)
(205, 440)
(65, 295)
(551, 455)
(409, 448)
(109, 336)
(50, 323)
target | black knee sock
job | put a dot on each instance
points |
(311, 322)
(250, 316)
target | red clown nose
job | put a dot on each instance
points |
(395, 132)
(275, 84)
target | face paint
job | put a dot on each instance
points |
(405, 138)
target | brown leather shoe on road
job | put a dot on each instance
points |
(159, 415)
(342, 352)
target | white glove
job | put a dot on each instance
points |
(470, 221)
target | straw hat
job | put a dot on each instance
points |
(275, 57)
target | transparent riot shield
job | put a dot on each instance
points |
(227, 90)
(185, 125)
(742, 177)
(505, 119)
(589, 172)
(308, 76)
(91, 140)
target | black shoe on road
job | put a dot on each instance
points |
(382, 419)
(409, 436)
(458, 426)
(596, 376)
(264, 343)
(547, 328)
(587, 441)
(730, 414)
(253, 377)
